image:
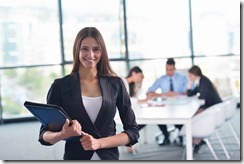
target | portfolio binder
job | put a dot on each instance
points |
(51, 116)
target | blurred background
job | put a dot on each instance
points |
(37, 38)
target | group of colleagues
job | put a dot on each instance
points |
(174, 84)
(92, 93)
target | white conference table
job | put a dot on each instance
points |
(178, 110)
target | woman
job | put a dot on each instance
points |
(203, 86)
(90, 95)
(133, 81)
(207, 91)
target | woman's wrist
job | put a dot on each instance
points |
(53, 137)
(62, 135)
(100, 144)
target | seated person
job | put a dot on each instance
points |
(133, 82)
(207, 91)
(171, 84)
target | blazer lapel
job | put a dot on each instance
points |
(103, 113)
(79, 109)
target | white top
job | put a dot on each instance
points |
(92, 106)
(197, 81)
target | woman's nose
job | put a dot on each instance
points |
(91, 53)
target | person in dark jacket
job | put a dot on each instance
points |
(200, 85)
(91, 95)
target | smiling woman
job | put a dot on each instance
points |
(88, 40)
(90, 95)
(89, 56)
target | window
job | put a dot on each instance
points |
(104, 15)
(158, 28)
(29, 33)
(216, 27)
(19, 85)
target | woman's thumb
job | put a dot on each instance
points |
(66, 124)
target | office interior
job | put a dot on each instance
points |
(37, 38)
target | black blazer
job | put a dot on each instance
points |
(207, 92)
(66, 93)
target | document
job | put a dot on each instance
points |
(51, 116)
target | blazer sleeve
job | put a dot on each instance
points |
(204, 88)
(127, 115)
(206, 92)
(192, 92)
(53, 97)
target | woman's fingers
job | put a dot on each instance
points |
(89, 143)
(86, 141)
(76, 127)
(66, 124)
(73, 130)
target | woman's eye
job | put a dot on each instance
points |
(96, 49)
(84, 49)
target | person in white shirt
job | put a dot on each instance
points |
(171, 84)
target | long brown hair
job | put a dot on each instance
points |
(132, 85)
(103, 65)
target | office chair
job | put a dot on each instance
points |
(199, 128)
(231, 106)
(219, 121)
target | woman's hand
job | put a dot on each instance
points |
(90, 143)
(73, 130)
(66, 132)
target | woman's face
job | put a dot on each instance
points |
(138, 77)
(192, 77)
(90, 53)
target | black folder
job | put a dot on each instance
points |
(51, 116)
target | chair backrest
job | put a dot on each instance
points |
(230, 107)
(220, 113)
(203, 124)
